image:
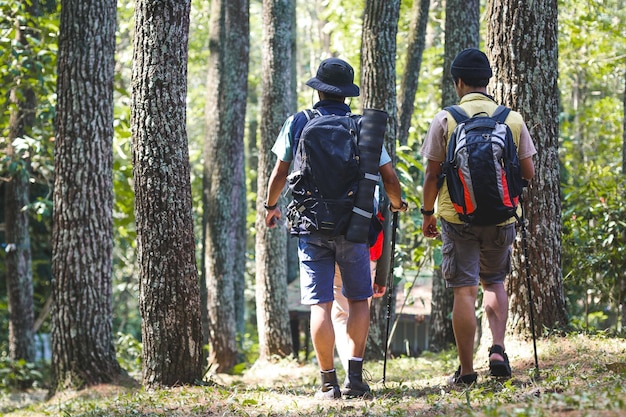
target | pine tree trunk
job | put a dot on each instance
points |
(622, 300)
(271, 244)
(82, 340)
(16, 199)
(224, 183)
(624, 130)
(378, 91)
(18, 264)
(410, 76)
(168, 278)
(462, 31)
(523, 50)
(440, 332)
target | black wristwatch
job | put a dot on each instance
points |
(268, 208)
(427, 212)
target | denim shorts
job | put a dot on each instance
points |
(318, 255)
(476, 253)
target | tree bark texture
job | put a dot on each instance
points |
(412, 67)
(523, 50)
(440, 331)
(624, 130)
(18, 259)
(623, 283)
(293, 263)
(224, 186)
(461, 31)
(271, 244)
(169, 294)
(83, 352)
(378, 90)
(16, 199)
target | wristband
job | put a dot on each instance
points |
(268, 208)
(403, 206)
(427, 212)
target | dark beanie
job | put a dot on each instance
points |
(471, 64)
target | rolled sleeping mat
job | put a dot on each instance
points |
(371, 139)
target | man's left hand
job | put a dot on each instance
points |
(379, 290)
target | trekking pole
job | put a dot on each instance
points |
(390, 280)
(530, 298)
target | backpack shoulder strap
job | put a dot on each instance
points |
(311, 114)
(457, 112)
(501, 113)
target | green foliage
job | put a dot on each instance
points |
(15, 375)
(128, 353)
(591, 88)
(412, 242)
(29, 66)
(591, 136)
(594, 241)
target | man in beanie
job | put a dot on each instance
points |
(471, 253)
(318, 254)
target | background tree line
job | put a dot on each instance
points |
(161, 156)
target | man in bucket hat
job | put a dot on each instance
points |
(318, 254)
(472, 254)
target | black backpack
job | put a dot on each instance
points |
(482, 168)
(325, 176)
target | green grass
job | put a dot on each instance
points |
(579, 376)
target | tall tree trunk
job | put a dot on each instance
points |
(224, 183)
(378, 87)
(83, 352)
(462, 31)
(271, 244)
(293, 264)
(412, 67)
(169, 298)
(252, 163)
(18, 251)
(624, 130)
(623, 282)
(523, 50)
(16, 199)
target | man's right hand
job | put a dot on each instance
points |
(273, 217)
(429, 226)
(404, 206)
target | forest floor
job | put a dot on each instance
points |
(578, 375)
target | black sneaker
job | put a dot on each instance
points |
(357, 389)
(458, 379)
(330, 387)
(354, 387)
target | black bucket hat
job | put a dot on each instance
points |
(335, 76)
